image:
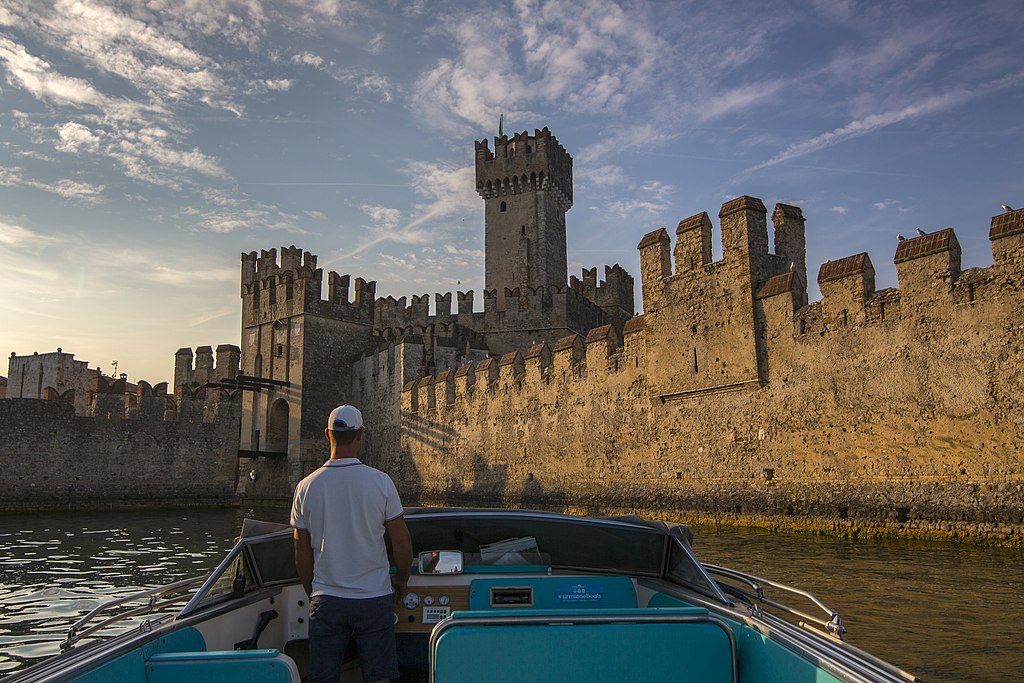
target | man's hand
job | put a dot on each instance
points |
(401, 547)
(399, 586)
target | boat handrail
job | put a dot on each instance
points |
(833, 625)
(153, 604)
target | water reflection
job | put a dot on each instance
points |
(56, 568)
(945, 613)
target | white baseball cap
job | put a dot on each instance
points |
(345, 419)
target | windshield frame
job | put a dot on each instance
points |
(657, 540)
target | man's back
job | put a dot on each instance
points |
(344, 506)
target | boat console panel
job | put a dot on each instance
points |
(425, 604)
(429, 600)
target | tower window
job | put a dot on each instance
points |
(523, 231)
(504, 207)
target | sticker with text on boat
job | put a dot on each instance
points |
(432, 615)
(579, 591)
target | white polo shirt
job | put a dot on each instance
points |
(344, 505)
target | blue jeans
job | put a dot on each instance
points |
(370, 622)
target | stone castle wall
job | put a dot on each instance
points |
(899, 409)
(56, 460)
(144, 450)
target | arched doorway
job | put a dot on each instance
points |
(277, 428)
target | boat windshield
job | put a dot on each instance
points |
(569, 542)
(487, 537)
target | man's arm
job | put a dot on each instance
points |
(401, 547)
(304, 558)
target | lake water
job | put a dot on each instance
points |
(944, 613)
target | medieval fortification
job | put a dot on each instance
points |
(730, 398)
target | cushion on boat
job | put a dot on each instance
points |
(693, 649)
(128, 668)
(222, 666)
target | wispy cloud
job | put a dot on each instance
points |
(13, 235)
(308, 59)
(12, 176)
(866, 125)
(737, 99)
(37, 77)
(590, 56)
(383, 217)
(841, 210)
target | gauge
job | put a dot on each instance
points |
(428, 600)
(443, 600)
(412, 601)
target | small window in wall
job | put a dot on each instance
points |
(288, 293)
(695, 368)
(523, 231)
(843, 318)
(504, 207)
(279, 350)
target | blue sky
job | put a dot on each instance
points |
(144, 144)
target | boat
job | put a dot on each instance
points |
(495, 595)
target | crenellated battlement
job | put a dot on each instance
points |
(928, 267)
(524, 163)
(541, 367)
(275, 290)
(189, 376)
(510, 318)
(614, 294)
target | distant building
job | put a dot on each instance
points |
(3, 387)
(55, 376)
(31, 376)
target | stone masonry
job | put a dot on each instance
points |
(897, 410)
(134, 446)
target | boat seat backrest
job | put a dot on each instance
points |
(223, 666)
(491, 646)
(129, 667)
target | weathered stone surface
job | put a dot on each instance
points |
(898, 410)
(54, 459)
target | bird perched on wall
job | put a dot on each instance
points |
(921, 233)
(901, 238)
(1004, 207)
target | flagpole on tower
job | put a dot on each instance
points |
(501, 126)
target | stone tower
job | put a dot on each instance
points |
(526, 185)
(302, 347)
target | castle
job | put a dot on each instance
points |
(310, 346)
(731, 397)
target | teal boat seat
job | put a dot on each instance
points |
(681, 645)
(224, 666)
(128, 668)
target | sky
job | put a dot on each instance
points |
(145, 144)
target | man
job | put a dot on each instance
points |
(340, 513)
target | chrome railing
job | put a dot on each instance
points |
(156, 600)
(833, 625)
